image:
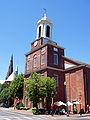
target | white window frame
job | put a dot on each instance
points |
(55, 49)
(35, 60)
(28, 63)
(55, 61)
(42, 59)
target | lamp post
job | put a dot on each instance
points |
(66, 99)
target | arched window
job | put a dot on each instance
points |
(39, 35)
(48, 31)
(28, 63)
(34, 60)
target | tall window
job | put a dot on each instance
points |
(48, 31)
(57, 80)
(28, 63)
(39, 35)
(55, 58)
(43, 55)
(42, 58)
(34, 61)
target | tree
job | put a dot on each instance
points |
(32, 88)
(4, 95)
(16, 86)
(38, 86)
(4, 92)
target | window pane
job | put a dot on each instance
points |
(34, 61)
(42, 58)
(55, 58)
(28, 65)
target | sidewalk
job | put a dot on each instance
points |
(72, 116)
(27, 112)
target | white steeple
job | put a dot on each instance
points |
(44, 28)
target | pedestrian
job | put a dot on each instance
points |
(52, 109)
(89, 109)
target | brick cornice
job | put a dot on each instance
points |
(41, 46)
(42, 69)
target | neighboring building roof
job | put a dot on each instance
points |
(2, 81)
(10, 78)
(75, 61)
(71, 64)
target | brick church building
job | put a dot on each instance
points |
(47, 58)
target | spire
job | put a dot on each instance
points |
(16, 71)
(10, 68)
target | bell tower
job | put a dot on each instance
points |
(44, 28)
(45, 57)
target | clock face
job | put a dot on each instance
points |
(35, 43)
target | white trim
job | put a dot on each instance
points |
(55, 54)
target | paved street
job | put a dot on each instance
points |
(7, 114)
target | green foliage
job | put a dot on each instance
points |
(38, 86)
(4, 95)
(14, 89)
(35, 111)
(16, 86)
(19, 106)
(50, 86)
(32, 88)
(4, 92)
(81, 111)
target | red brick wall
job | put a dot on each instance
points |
(38, 66)
(60, 87)
(75, 86)
(50, 61)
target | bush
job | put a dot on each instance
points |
(35, 111)
(19, 106)
(41, 111)
(25, 108)
(81, 111)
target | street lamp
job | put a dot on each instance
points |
(66, 99)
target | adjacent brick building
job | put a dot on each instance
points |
(47, 58)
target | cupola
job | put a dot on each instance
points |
(44, 28)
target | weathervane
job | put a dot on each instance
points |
(45, 10)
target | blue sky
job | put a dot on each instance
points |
(18, 20)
